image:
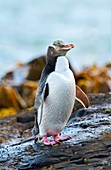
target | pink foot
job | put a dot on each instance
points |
(47, 142)
(57, 138)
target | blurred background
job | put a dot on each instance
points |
(28, 27)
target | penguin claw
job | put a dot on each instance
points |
(50, 143)
(57, 138)
(47, 142)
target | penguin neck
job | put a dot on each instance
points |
(50, 65)
(61, 64)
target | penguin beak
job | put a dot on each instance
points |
(67, 47)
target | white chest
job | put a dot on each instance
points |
(62, 91)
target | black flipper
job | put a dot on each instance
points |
(46, 90)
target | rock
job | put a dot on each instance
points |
(26, 116)
(36, 67)
(90, 155)
(88, 148)
(28, 71)
(94, 79)
(99, 99)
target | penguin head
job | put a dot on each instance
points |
(58, 48)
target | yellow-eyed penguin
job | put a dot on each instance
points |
(55, 95)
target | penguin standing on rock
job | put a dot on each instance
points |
(55, 95)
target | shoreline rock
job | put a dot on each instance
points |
(89, 147)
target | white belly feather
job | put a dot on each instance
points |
(58, 105)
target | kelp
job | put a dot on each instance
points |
(94, 79)
(7, 112)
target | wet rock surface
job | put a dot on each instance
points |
(89, 147)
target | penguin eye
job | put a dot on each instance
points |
(50, 47)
